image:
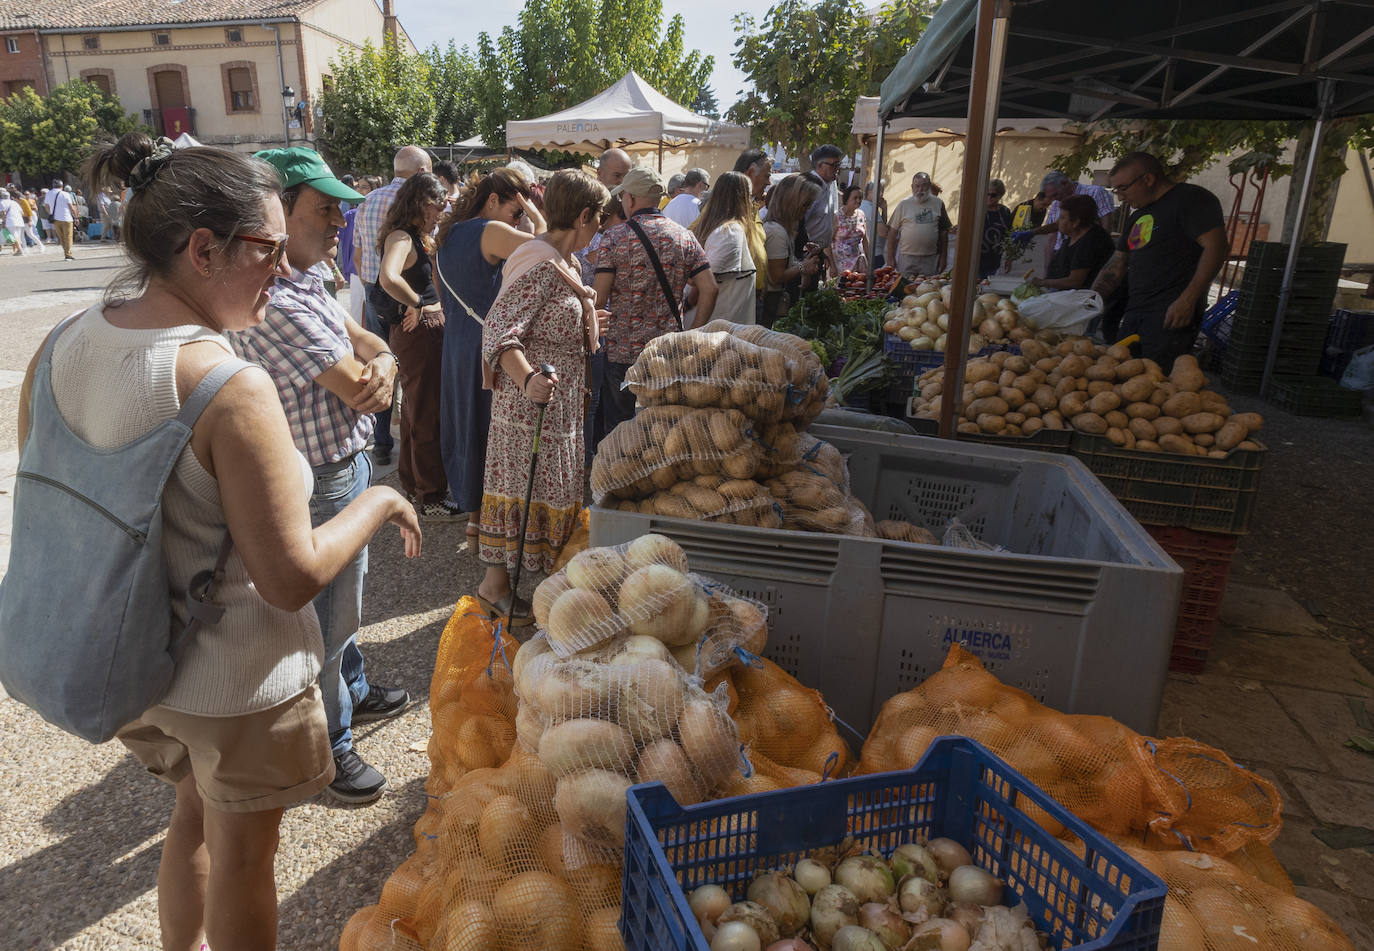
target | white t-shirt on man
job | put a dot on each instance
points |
(683, 209)
(918, 226)
(59, 205)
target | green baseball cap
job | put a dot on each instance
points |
(302, 166)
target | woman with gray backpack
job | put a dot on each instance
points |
(159, 472)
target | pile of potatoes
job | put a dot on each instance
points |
(1101, 391)
(811, 502)
(922, 318)
(713, 499)
(664, 445)
(809, 386)
(699, 369)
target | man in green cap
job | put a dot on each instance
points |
(331, 375)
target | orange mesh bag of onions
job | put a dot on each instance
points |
(579, 541)
(699, 369)
(787, 729)
(808, 385)
(664, 445)
(1170, 793)
(1214, 905)
(472, 698)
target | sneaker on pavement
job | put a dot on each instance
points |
(381, 703)
(354, 780)
(381, 457)
(440, 512)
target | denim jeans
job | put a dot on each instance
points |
(593, 429)
(382, 439)
(340, 605)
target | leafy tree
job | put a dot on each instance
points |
(806, 62)
(382, 99)
(705, 103)
(453, 84)
(564, 51)
(42, 134)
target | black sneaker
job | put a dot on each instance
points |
(355, 781)
(381, 457)
(381, 703)
(444, 511)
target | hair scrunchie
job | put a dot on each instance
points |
(142, 174)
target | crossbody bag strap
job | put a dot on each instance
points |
(449, 287)
(658, 269)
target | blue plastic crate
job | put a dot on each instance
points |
(1216, 322)
(959, 790)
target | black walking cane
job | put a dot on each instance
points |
(546, 369)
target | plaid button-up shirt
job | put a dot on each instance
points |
(367, 225)
(306, 333)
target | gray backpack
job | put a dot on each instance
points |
(87, 634)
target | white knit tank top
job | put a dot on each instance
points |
(112, 385)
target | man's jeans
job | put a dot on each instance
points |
(382, 440)
(340, 604)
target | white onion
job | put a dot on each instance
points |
(889, 926)
(971, 883)
(708, 902)
(854, 938)
(949, 854)
(833, 907)
(967, 914)
(938, 934)
(790, 944)
(917, 894)
(811, 875)
(756, 917)
(867, 876)
(735, 936)
(785, 900)
(913, 859)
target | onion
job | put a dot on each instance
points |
(537, 910)
(916, 895)
(787, 901)
(969, 915)
(891, 930)
(790, 944)
(756, 917)
(811, 875)
(973, 884)
(735, 936)
(708, 902)
(939, 934)
(867, 876)
(949, 854)
(833, 907)
(854, 938)
(913, 859)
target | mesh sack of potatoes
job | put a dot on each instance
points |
(712, 499)
(1103, 772)
(698, 369)
(812, 503)
(472, 698)
(898, 530)
(781, 449)
(1214, 905)
(664, 445)
(809, 385)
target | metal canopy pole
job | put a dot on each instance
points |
(1325, 97)
(989, 55)
(877, 199)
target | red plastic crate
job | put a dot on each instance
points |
(1205, 558)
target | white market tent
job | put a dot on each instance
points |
(630, 111)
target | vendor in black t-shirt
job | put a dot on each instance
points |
(1086, 247)
(1171, 247)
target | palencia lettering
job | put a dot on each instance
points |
(578, 126)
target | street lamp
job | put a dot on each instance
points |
(288, 101)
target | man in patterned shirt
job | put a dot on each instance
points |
(627, 284)
(331, 374)
(1056, 186)
(367, 263)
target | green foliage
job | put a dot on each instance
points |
(564, 51)
(453, 84)
(381, 100)
(1185, 146)
(705, 103)
(54, 133)
(806, 62)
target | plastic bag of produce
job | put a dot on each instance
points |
(1166, 791)
(1068, 312)
(1359, 372)
(665, 445)
(699, 369)
(808, 384)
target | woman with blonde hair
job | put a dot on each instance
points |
(474, 241)
(787, 205)
(544, 314)
(406, 297)
(729, 231)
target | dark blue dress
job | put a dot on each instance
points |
(465, 408)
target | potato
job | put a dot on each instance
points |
(1006, 378)
(1011, 396)
(1032, 426)
(1250, 444)
(1163, 391)
(1147, 445)
(1029, 408)
(1015, 419)
(1053, 420)
(981, 369)
(1073, 404)
(1143, 429)
(1090, 423)
(1016, 364)
(985, 388)
(967, 427)
(1048, 364)
(989, 423)
(1103, 369)
(1202, 423)
(1231, 435)
(1118, 352)
(1116, 436)
(1075, 365)
(998, 359)
(1026, 383)
(1064, 387)
(1251, 421)
(991, 405)
(1044, 397)
(1180, 444)
(1034, 350)
(1116, 418)
(1085, 348)
(1137, 388)
(1143, 411)
(1168, 426)
(1182, 404)
(1103, 403)
(1127, 369)
(1095, 387)
(1130, 439)
(1186, 375)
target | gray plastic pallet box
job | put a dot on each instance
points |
(1078, 610)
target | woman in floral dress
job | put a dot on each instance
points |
(851, 232)
(543, 314)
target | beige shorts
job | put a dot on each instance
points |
(248, 763)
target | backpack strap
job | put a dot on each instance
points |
(46, 356)
(207, 388)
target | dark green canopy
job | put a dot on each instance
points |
(1178, 59)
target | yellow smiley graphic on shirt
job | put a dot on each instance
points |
(1142, 232)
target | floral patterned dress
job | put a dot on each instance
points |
(851, 233)
(542, 315)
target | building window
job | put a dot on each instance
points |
(11, 44)
(15, 85)
(240, 87)
(162, 39)
(233, 36)
(326, 82)
(102, 79)
(91, 42)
